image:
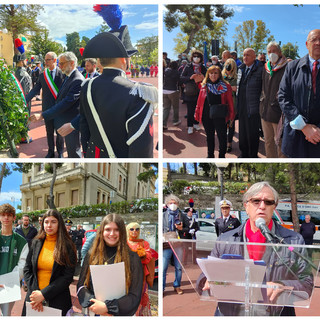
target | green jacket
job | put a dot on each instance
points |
(18, 253)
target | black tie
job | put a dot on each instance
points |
(246, 73)
(64, 82)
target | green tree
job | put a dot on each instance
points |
(13, 111)
(290, 51)
(73, 43)
(41, 44)
(7, 168)
(154, 56)
(149, 174)
(103, 28)
(252, 35)
(205, 34)
(145, 47)
(20, 18)
(193, 18)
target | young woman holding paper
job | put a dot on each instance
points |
(50, 266)
(110, 247)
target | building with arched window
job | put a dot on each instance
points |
(84, 183)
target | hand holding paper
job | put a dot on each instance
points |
(98, 307)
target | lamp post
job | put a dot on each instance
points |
(221, 166)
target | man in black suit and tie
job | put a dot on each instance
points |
(50, 82)
(91, 71)
(226, 222)
(66, 107)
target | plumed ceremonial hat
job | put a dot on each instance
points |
(115, 43)
(21, 55)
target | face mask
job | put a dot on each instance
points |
(173, 207)
(273, 57)
(196, 59)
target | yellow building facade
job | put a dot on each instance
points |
(84, 184)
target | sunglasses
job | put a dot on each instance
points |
(134, 229)
(256, 202)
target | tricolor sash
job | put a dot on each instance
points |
(50, 83)
(18, 84)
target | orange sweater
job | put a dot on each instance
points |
(45, 261)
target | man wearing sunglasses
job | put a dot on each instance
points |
(286, 269)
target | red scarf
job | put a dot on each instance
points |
(256, 252)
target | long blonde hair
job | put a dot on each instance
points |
(233, 68)
(98, 250)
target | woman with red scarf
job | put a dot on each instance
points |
(284, 269)
(215, 92)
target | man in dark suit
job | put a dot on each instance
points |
(50, 82)
(67, 103)
(226, 222)
(91, 71)
(125, 108)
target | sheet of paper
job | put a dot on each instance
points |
(109, 281)
(232, 272)
(47, 312)
(11, 290)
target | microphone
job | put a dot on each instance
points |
(261, 224)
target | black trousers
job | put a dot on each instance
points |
(50, 138)
(211, 126)
(191, 107)
(249, 134)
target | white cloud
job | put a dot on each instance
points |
(147, 25)
(151, 14)
(238, 9)
(71, 19)
(9, 195)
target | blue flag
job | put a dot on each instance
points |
(205, 53)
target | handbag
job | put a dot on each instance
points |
(217, 111)
(191, 89)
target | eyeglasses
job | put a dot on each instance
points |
(256, 202)
(134, 229)
(62, 63)
(48, 59)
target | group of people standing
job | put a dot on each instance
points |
(48, 264)
(96, 115)
(275, 100)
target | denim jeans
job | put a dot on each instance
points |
(167, 254)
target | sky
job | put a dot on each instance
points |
(10, 191)
(286, 23)
(142, 20)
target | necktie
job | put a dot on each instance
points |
(314, 75)
(246, 72)
(64, 82)
(225, 221)
(51, 73)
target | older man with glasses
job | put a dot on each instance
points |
(50, 82)
(260, 201)
(66, 107)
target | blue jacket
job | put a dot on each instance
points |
(253, 88)
(294, 98)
